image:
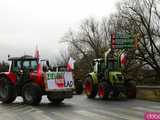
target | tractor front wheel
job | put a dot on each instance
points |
(90, 88)
(104, 90)
(31, 94)
(7, 91)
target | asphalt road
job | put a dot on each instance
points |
(78, 108)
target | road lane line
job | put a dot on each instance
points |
(118, 115)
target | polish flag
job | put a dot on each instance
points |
(70, 65)
(37, 55)
(123, 59)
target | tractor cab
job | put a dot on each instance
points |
(27, 64)
(21, 64)
(21, 67)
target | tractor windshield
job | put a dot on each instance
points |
(30, 64)
(34, 64)
(27, 64)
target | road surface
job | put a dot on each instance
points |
(78, 108)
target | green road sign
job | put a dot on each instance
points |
(120, 40)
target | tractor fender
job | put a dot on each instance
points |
(93, 75)
(10, 76)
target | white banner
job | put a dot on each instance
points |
(59, 80)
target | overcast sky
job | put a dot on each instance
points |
(25, 23)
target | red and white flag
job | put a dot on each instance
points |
(37, 56)
(70, 65)
(123, 59)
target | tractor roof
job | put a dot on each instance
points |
(25, 57)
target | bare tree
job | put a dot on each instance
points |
(62, 58)
(149, 50)
(140, 17)
(91, 37)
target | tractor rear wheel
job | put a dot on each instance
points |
(32, 94)
(7, 91)
(90, 88)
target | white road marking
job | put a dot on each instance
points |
(117, 115)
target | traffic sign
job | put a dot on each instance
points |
(120, 40)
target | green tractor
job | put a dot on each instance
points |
(107, 79)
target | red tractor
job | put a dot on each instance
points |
(31, 78)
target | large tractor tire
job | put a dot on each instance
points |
(90, 88)
(54, 100)
(7, 91)
(32, 94)
(79, 87)
(131, 89)
(104, 90)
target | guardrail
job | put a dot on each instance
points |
(148, 87)
(148, 93)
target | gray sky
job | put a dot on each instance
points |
(25, 23)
